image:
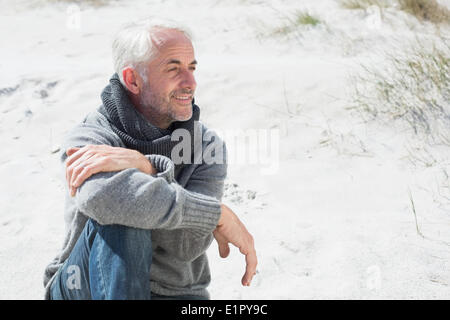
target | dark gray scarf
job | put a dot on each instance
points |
(134, 130)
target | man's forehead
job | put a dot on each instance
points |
(163, 38)
(172, 47)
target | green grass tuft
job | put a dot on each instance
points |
(304, 18)
(294, 23)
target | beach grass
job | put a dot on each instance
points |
(414, 87)
(423, 10)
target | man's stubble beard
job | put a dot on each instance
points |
(158, 110)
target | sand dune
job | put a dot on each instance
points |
(334, 220)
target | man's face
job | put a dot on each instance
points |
(170, 85)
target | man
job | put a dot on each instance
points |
(138, 221)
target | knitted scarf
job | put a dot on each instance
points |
(133, 129)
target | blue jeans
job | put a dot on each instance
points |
(108, 262)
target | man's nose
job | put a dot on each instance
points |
(188, 80)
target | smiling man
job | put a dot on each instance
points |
(138, 221)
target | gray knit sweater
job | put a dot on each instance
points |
(182, 209)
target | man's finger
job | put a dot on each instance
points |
(252, 262)
(70, 163)
(74, 169)
(76, 154)
(69, 160)
(79, 175)
(75, 173)
(72, 150)
(87, 171)
(83, 175)
(224, 249)
(73, 154)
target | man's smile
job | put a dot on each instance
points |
(184, 99)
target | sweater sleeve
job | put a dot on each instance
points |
(133, 198)
(207, 179)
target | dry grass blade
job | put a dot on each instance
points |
(93, 3)
(364, 4)
(429, 10)
(423, 10)
(415, 214)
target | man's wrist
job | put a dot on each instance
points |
(223, 209)
(145, 166)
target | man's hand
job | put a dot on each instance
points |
(91, 159)
(231, 230)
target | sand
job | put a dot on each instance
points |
(330, 213)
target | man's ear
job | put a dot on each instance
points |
(132, 80)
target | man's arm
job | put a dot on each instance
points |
(101, 159)
(133, 198)
(205, 183)
(208, 179)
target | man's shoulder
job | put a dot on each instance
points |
(93, 129)
(214, 149)
(210, 135)
(97, 118)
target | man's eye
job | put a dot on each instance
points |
(172, 69)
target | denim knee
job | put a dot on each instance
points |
(120, 262)
(135, 237)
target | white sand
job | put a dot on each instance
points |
(335, 220)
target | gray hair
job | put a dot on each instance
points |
(134, 45)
